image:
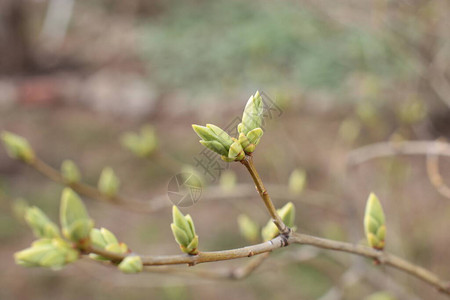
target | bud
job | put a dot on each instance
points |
(250, 148)
(226, 158)
(248, 228)
(40, 224)
(148, 140)
(75, 222)
(143, 144)
(17, 146)
(105, 239)
(243, 140)
(374, 223)
(131, 264)
(227, 180)
(108, 184)
(236, 152)
(49, 253)
(297, 181)
(214, 138)
(184, 231)
(253, 113)
(215, 146)
(131, 141)
(224, 137)
(70, 172)
(255, 135)
(19, 207)
(287, 214)
(204, 133)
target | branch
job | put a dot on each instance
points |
(248, 163)
(87, 190)
(435, 176)
(379, 256)
(385, 149)
(238, 273)
(282, 241)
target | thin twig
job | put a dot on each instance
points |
(385, 149)
(248, 163)
(87, 190)
(434, 175)
(237, 273)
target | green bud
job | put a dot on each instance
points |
(183, 230)
(40, 224)
(226, 158)
(243, 140)
(374, 223)
(253, 114)
(109, 183)
(214, 138)
(192, 247)
(224, 137)
(49, 253)
(105, 239)
(108, 236)
(227, 180)
(190, 222)
(148, 140)
(97, 239)
(132, 142)
(204, 133)
(297, 181)
(131, 264)
(116, 248)
(180, 221)
(248, 228)
(255, 135)
(70, 172)
(241, 128)
(250, 148)
(143, 144)
(215, 146)
(180, 235)
(75, 221)
(19, 207)
(236, 152)
(17, 146)
(287, 214)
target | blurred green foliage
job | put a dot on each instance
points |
(222, 44)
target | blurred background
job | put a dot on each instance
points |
(76, 75)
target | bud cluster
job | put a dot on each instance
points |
(108, 183)
(230, 148)
(184, 232)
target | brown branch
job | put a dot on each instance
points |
(279, 242)
(385, 149)
(87, 190)
(237, 273)
(434, 174)
(248, 163)
(380, 256)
